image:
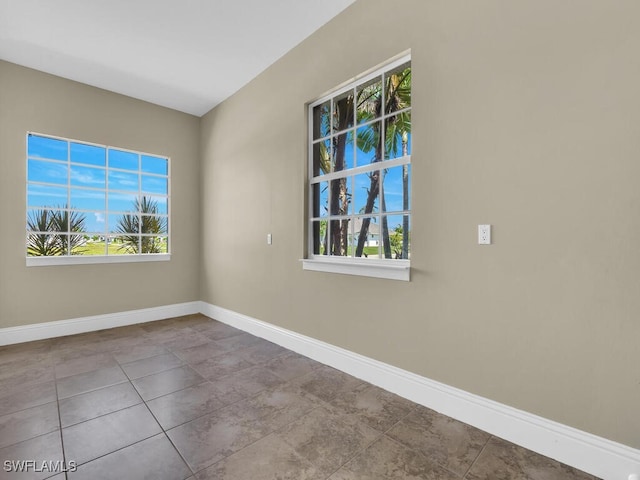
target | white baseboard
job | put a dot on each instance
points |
(595, 455)
(40, 331)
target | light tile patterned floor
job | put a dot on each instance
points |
(192, 398)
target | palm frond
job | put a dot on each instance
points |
(59, 225)
(140, 232)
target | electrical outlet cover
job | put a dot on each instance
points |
(484, 234)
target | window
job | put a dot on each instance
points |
(90, 203)
(360, 176)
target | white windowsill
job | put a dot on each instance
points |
(93, 259)
(389, 269)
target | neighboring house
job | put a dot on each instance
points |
(373, 236)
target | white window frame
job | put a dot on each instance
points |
(34, 261)
(392, 269)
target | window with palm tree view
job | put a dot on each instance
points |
(360, 168)
(92, 200)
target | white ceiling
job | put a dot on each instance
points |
(184, 54)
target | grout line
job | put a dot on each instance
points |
(476, 459)
(64, 453)
(164, 432)
(104, 414)
(118, 449)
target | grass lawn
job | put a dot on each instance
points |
(371, 250)
(97, 248)
(366, 251)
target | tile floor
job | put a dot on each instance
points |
(192, 398)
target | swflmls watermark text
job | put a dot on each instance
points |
(52, 466)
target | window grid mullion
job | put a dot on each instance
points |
(69, 210)
(139, 204)
(369, 167)
(68, 205)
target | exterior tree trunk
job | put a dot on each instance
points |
(384, 228)
(374, 189)
(371, 198)
(339, 196)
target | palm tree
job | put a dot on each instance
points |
(132, 227)
(41, 244)
(74, 221)
(55, 229)
(339, 196)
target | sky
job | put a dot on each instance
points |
(62, 172)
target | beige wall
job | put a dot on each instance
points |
(34, 101)
(526, 116)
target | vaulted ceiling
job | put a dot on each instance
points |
(188, 55)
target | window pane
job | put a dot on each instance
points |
(321, 158)
(122, 202)
(87, 199)
(44, 245)
(398, 136)
(63, 242)
(369, 100)
(398, 88)
(77, 243)
(154, 184)
(123, 181)
(366, 237)
(320, 237)
(365, 193)
(48, 172)
(87, 176)
(343, 151)
(161, 204)
(123, 160)
(368, 142)
(321, 120)
(124, 244)
(69, 221)
(45, 196)
(44, 147)
(341, 196)
(343, 111)
(95, 222)
(88, 154)
(339, 237)
(95, 244)
(396, 189)
(40, 220)
(399, 242)
(155, 165)
(164, 244)
(124, 223)
(320, 199)
(154, 224)
(153, 244)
